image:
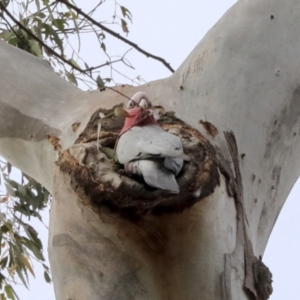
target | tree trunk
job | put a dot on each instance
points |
(239, 89)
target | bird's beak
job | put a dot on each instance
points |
(144, 104)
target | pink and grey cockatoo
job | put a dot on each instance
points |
(146, 149)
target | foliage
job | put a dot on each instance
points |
(54, 31)
(19, 242)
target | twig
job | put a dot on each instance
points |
(103, 65)
(50, 50)
(38, 40)
(116, 35)
(108, 87)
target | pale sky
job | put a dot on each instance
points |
(171, 29)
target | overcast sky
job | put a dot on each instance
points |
(171, 29)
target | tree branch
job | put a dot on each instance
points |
(117, 35)
(49, 49)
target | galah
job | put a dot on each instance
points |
(146, 149)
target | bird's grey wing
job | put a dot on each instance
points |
(154, 174)
(148, 142)
(174, 164)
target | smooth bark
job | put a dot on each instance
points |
(242, 77)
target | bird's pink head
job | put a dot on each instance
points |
(139, 113)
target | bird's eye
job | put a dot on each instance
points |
(144, 104)
(131, 104)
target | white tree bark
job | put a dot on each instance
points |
(242, 77)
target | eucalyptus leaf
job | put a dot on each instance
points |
(9, 292)
(74, 63)
(33, 235)
(121, 112)
(100, 83)
(47, 277)
(126, 13)
(124, 26)
(38, 6)
(28, 265)
(59, 23)
(72, 78)
(20, 274)
(35, 48)
(3, 262)
(33, 247)
(110, 153)
(2, 297)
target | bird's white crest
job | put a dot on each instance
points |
(139, 98)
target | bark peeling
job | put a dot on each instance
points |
(101, 182)
(210, 128)
(257, 277)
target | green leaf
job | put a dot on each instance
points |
(119, 111)
(28, 265)
(20, 274)
(37, 3)
(126, 13)
(41, 15)
(2, 279)
(110, 153)
(33, 235)
(74, 63)
(9, 292)
(59, 23)
(36, 251)
(3, 262)
(67, 14)
(103, 47)
(13, 41)
(73, 15)
(35, 48)
(71, 77)
(6, 227)
(86, 65)
(124, 26)
(23, 209)
(100, 83)
(22, 191)
(49, 10)
(11, 256)
(2, 297)
(47, 277)
(6, 35)
(50, 32)
(4, 2)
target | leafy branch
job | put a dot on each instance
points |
(28, 31)
(19, 241)
(116, 35)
